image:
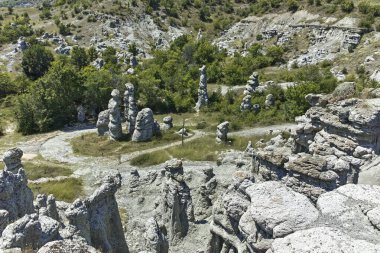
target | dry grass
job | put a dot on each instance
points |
(66, 190)
(39, 168)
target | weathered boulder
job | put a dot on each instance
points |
(67, 246)
(144, 126)
(102, 123)
(168, 123)
(46, 205)
(316, 99)
(205, 193)
(375, 76)
(202, 90)
(252, 84)
(81, 115)
(114, 125)
(12, 160)
(344, 90)
(222, 132)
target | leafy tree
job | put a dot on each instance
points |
(36, 61)
(92, 54)
(79, 57)
(6, 85)
(347, 6)
(109, 55)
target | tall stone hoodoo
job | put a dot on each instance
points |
(130, 107)
(81, 114)
(114, 125)
(12, 160)
(155, 240)
(144, 126)
(206, 191)
(177, 208)
(222, 132)
(252, 84)
(202, 90)
(246, 104)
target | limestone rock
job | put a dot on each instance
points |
(202, 90)
(316, 100)
(155, 240)
(222, 132)
(67, 246)
(47, 206)
(375, 76)
(12, 160)
(102, 123)
(114, 125)
(205, 193)
(252, 84)
(144, 126)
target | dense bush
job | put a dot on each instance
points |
(36, 61)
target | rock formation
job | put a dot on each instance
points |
(221, 132)
(205, 194)
(144, 126)
(102, 123)
(176, 204)
(269, 101)
(168, 123)
(67, 246)
(31, 231)
(81, 116)
(155, 240)
(114, 125)
(246, 104)
(12, 160)
(252, 84)
(256, 217)
(202, 90)
(46, 205)
(130, 111)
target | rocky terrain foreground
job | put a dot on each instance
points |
(296, 193)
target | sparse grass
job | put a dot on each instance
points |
(201, 149)
(66, 190)
(94, 145)
(38, 169)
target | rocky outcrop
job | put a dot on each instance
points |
(176, 204)
(102, 123)
(205, 194)
(46, 205)
(130, 107)
(144, 126)
(15, 196)
(98, 220)
(114, 125)
(155, 240)
(12, 160)
(271, 217)
(202, 90)
(252, 84)
(67, 246)
(222, 132)
(31, 231)
(246, 104)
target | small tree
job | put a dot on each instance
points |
(36, 61)
(79, 57)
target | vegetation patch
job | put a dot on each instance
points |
(45, 169)
(66, 190)
(201, 149)
(94, 145)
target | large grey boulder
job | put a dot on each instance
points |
(102, 123)
(12, 160)
(114, 125)
(167, 123)
(202, 90)
(205, 194)
(144, 126)
(246, 104)
(344, 90)
(269, 101)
